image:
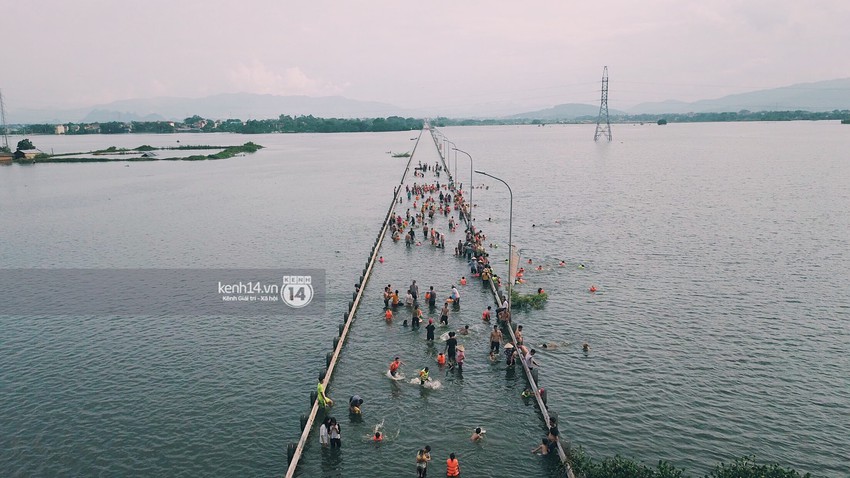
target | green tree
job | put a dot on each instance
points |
(25, 144)
(113, 127)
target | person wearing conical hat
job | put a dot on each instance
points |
(510, 354)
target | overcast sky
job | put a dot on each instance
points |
(454, 56)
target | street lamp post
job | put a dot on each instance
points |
(448, 160)
(470, 178)
(454, 146)
(510, 234)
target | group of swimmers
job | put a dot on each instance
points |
(425, 207)
(428, 208)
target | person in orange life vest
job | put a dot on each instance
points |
(452, 466)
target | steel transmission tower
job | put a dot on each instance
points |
(3, 121)
(603, 124)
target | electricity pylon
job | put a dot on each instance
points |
(603, 129)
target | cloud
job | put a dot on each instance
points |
(256, 77)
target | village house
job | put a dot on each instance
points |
(26, 154)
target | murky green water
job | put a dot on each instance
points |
(719, 328)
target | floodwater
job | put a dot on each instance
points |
(719, 327)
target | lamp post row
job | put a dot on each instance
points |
(510, 214)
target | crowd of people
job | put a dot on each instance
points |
(429, 201)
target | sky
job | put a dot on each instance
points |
(448, 57)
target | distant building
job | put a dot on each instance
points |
(5, 158)
(60, 129)
(26, 153)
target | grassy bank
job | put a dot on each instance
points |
(98, 156)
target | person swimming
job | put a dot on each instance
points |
(378, 437)
(478, 434)
(585, 347)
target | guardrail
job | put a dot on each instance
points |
(532, 376)
(295, 450)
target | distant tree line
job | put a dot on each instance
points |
(312, 124)
(282, 124)
(742, 115)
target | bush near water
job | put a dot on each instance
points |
(619, 467)
(528, 301)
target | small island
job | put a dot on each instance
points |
(27, 153)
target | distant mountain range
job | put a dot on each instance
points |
(568, 111)
(230, 105)
(819, 96)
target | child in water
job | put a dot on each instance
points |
(543, 448)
